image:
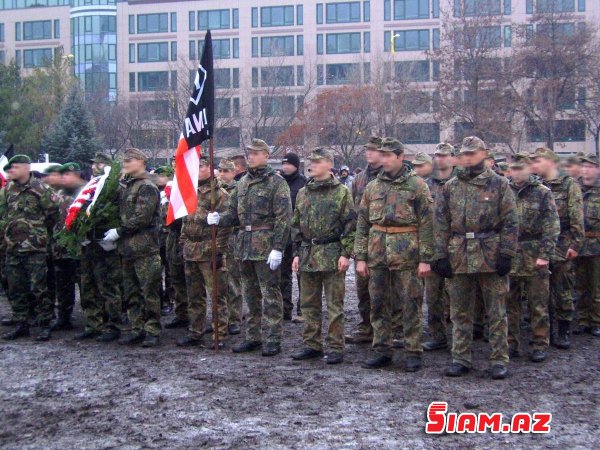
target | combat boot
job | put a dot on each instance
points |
(431, 346)
(335, 358)
(377, 361)
(132, 339)
(457, 370)
(21, 330)
(150, 341)
(44, 334)
(595, 331)
(537, 356)
(188, 341)
(271, 349)
(177, 323)
(234, 329)
(62, 323)
(246, 346)
(108, 336)
(307, 353)
(499, 372)
(86, 334)
(562, 340)
(412, 363)
(359, 337)
(7, 322)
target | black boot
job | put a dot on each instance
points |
(335, 358)
(108, 336)
(44, 334)
(246, 346)
(21, 330)
(433, 345)
(412, 363)
(151, 341)
(7, 322)
(271, 349)
(188, 341)
(457, 370)
(132, 338)
(562, 340)
(537, 356)
(177, 323)
(86, 334)
(595, 331)
(234, 329)
(62, 323)
(377, 361)
(307, 353)
(499, 372)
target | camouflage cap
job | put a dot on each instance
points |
(471, 144)
(520, 160)
(17, 159)
(444, 148)
(101, 158)
(203, 161)
(545, 152)
(391, 145)
(590, 158)
(490, 154)
(70, 167)
(321, 153)
(226, 164)
(258, 145)
(53, 168)
(135, 153)
(373, 143)
(164, 170)
(502, 166)
(421, 158)
(574, 159)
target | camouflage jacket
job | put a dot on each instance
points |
(262, 199)
(539, 226)
(230, 188)
(360, 183)
(196, 233)
(402, 201)
(173, 245)
(324, 210)
(569, 204)
(435, 184)
(28, 214)
(591, 210)
(65, 199)
(139, 207)
(483, 205)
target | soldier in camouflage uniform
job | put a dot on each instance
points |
(66, 267)
(137, 235)
(161, 177)
(28, 209)
(325, 220)
(364, 332)
(476, 229)
(394, 244)
(436, 295)
(234, 288)
(261, 207)
(196, 240)
(587, 266)
(539, 227)
(569, 203)
(423, 165)
(101, 277)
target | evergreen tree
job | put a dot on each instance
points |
(72, 137)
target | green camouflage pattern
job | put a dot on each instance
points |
(175, 261)
(313, 284)
(141, 286)
(484, 203)
(65, 198)
(262, 198)
(539, 226)
(435, 183)
(27, 213)
(591, 213)
(535, 289)
(139, 209)
(587, 284)
(360, 183)
(324, 209)
(561, 290)
(395, 202)
(438, 307)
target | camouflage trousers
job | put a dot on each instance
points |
(313, 285)
(287, 282)
(141, 284)
(390, 291)
(28, 288)
(66, 272)
(479, 320)
(234, 291)
(537, 290)
(438, 307)
(101, 278)
(260, 289)
(51, 280)
(179, 289)
(561, 291)
(199, 281)
(587, 273)
(364, 305)
(494, 289)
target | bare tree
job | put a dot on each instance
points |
(588, 102)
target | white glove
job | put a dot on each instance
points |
(85, 242)
(163, 198)
(108, 245)
(274, 259)
(213, 218)
(111, 235)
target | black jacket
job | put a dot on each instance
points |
(295, 181)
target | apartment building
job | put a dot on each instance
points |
(270, 55)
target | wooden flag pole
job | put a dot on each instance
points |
(213, 242)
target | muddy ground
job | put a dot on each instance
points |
(64, 394)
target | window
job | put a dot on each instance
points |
(1, 32)
(236, 78)
(174, 51)
(254, 77)
(507, 7)
(132, 24)
(564, 131)
(581, 5)
(319, 13)
(254, 17)
(222, 108)
(367, 72)
(192, 21)
(435, 8)
(214, 20)
(342, 73)
(300, 75)
(153, 81)
(319, 44)
(236, 48)
(173, 22)
(41, 29)
(412, 70)
(411, 40)
(299, 15)
(277, 106)
(38, 57)
(343, 43)
(436, 38)
(300, 45)
(192, 50)
(131, 53)
(235, 17)
(56, 29)
(419, 133)
(555, 31)
(387, 40)
(153, 23)
(387, 10)
(255, 47)
(548, 6)
(276, 16)
(529, 6)
(131, 81)
(222, 78)
(221, 48)
(277, 46)
(471, 8)
(367, 41)
(367, 11)
(482, 37)
(507, 36)
(411, 9)
(277, 76)
(153, 52)
(320, 76)
(343, 12)
(18, 31)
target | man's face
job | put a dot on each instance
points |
(226, 176)
(520, 174)
(343, 173)
(19, 171)
(573, 170)
(53, 179)
(489, 163)
(391, 162)
(132, 166)
(257, 158)
(98, 168)
(288, 168)
(423, 170)
(589, 172)
(471, 159)
(320, 168)
(204, 172)
(70, 179)
(443, 161)
(542, 166)
(373, 157)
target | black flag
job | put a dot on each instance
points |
(199, 119)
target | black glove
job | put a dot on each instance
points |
(503, 264)
(442, 267)
(219, 260)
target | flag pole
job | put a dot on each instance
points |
(213, 243)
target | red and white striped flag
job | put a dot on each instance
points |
(197, 127)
